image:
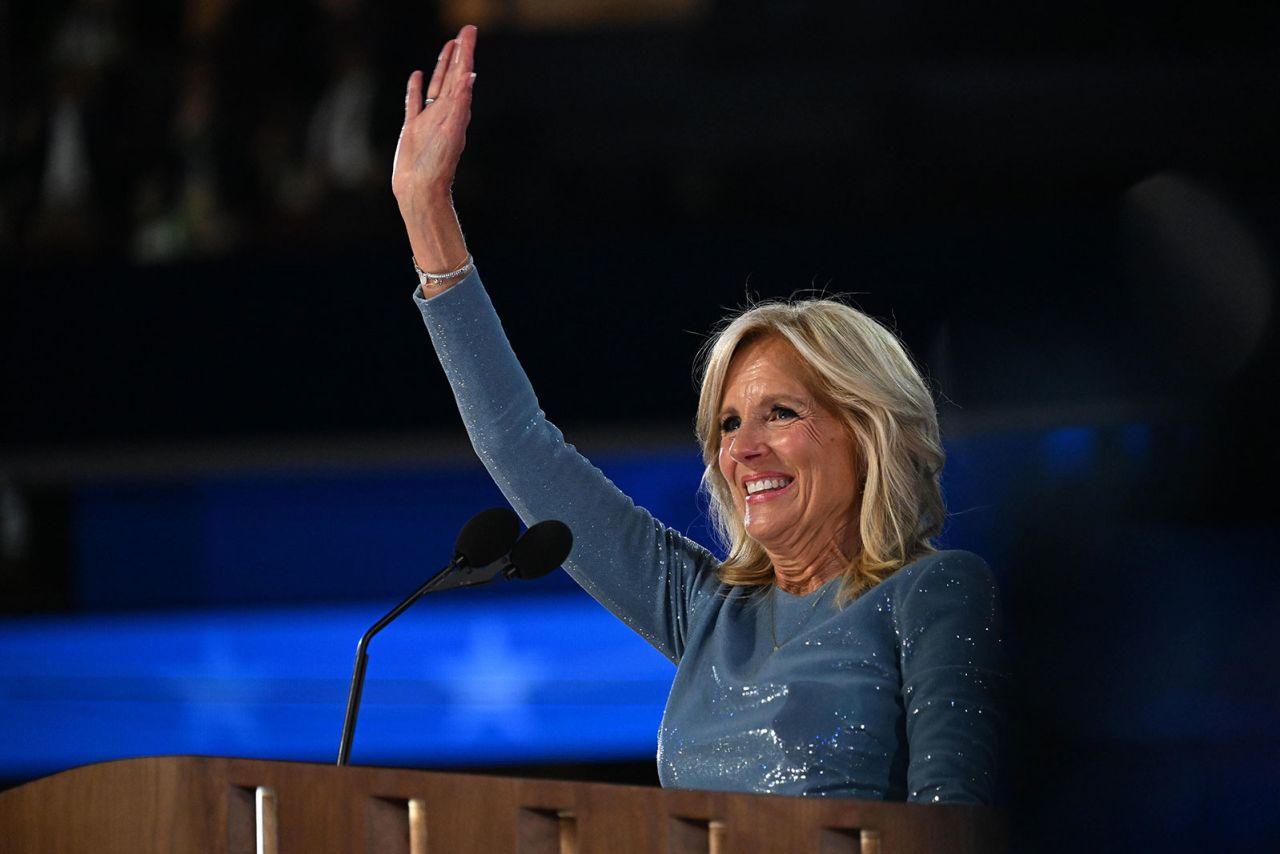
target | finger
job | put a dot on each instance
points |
(413, 96)
(437, 76)
(463, 61)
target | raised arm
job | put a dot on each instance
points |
(431, 143)
(648, 575)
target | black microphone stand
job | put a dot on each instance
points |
(541, 549)
(362, 657)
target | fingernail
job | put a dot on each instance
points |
(471, 81)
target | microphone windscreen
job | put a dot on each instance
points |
(542, 548)
(488, 536)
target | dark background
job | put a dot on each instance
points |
(1067, 210)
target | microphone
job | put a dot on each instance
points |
(486, 537)
(541, 549)
(486, 548)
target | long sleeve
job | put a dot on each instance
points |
(646, 574)
(949, 644)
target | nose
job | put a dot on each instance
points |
(749, 443)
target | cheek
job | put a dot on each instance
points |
(845, 474)
(813, 433)
(832, 453)
(811, 442)
(725, 463)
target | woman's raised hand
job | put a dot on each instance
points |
(431, 143)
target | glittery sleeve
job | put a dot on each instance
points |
(951, 657)
(648, 575)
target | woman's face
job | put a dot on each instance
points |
(791, 465)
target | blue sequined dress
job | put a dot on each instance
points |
(895, 696)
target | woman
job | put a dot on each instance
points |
(834, 652)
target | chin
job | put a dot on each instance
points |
(762, 534)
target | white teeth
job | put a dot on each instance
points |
(766, 483)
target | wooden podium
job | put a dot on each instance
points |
(179, 804)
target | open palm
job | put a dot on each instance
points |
(435, 130)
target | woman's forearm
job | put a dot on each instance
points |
(436, 240)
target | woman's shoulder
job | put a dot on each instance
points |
(945, 609)
(950, 571)
(949, 560)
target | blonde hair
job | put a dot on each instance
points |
(863, 374)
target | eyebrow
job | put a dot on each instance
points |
(772, 401)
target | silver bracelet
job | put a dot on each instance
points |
(426, 279)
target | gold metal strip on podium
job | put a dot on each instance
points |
(417, 826)
(715, 837)
(568, 832)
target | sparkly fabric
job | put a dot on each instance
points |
(895, 696)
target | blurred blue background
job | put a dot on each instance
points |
(226, 447)
(218, 614)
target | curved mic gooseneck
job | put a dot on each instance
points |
(484, 539)
(486, 548)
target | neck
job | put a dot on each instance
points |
(802, 574)
(807, 555)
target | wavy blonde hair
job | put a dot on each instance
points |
(861, 371)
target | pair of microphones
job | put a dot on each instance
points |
(489, 546)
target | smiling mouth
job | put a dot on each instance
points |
(767, 484)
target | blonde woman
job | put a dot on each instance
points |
(834, 652)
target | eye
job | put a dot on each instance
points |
(730, 423)
(782, 413)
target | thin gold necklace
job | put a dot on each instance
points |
(773, 620)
